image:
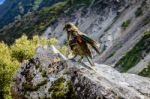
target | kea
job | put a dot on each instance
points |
(79, 43)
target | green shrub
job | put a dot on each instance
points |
(23, 49)
(36, 4)
(145, 72)
(8, 67)
(133, 56)
(64, 50)
(125, 24)
(52, 41)
(43, 41)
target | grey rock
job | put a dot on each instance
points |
(49, 75)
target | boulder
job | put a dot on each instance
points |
(50, 75)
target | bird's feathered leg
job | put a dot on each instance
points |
(90, 61)
(80, 59)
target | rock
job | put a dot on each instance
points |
(49, 75)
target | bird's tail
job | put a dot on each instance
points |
(91, 42)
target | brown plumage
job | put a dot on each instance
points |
(79, 42)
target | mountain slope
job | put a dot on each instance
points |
(14, 9)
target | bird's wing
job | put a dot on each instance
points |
(91, 42)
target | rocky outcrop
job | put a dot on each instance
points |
(49, 75)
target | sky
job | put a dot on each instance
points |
(1, 1)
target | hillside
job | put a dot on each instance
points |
(14, 9)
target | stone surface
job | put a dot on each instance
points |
(49, 75)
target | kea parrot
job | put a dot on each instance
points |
(79, 43)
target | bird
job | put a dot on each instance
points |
(79, 43)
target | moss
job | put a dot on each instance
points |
(42, 83)
(29, 87)
(146, 21)
(145, 72)
(135, 54)
(37, 65)
(57, 85)
(40, 69)
(44, 73)
(71, 92)
(29, 77)
(60, 90)
(125, 24)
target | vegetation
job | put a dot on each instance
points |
(81, 2)
(8, 66)
(125, 24)
(37, 65)
(29, 87)
(146, 20)
(135, 54)
(42, 83)
(23, 49)
(37, 4)
(29, 77)
(64, 50)
(62, 90)
(33, 23)
(17, 8)
(11, 56)
(145, 72)
(138, 12)
(44, 73)
(52, 41)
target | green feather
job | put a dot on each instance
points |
(91, 43)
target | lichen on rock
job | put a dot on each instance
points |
(62, 89)
(59, 78)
